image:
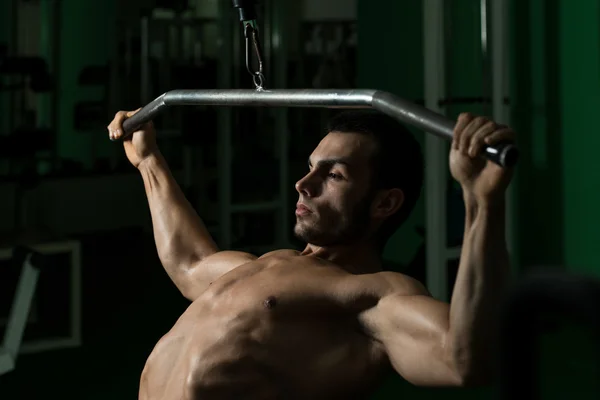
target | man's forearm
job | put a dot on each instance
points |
(482, 276)
(181, 238)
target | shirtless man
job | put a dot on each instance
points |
(327, 322)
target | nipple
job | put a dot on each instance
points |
(270, 302)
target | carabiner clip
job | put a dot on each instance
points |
(252, 40)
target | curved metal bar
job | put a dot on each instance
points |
(396, 107)
(554, 293)
(413, 114)
(271, 98)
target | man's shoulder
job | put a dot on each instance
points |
(280, 253)
(399, 284)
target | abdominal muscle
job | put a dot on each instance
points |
(200, 365)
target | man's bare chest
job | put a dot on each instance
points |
(318, 355)
(286, 284)
(285, 320)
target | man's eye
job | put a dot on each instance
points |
(334, 176)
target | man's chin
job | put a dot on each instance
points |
(314, 238)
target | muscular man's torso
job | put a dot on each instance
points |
(281, 327)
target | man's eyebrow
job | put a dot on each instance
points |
(330, 162)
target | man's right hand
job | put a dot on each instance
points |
(139, 146)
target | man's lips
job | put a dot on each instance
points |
(301, 209)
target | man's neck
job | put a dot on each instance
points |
(356, 259)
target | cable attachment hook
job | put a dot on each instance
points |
(253, 45)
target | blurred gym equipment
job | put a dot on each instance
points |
(533, 297)
(31, 263)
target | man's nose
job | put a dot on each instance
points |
(307, 186)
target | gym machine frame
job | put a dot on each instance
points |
(436, 46)
(273, 37)
(505, 154)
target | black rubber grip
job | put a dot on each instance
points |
(505, 154)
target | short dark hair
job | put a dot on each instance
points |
(397, 161)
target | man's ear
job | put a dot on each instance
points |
(387, 202)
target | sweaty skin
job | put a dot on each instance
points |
(326, 323)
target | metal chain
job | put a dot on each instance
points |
(252, 41)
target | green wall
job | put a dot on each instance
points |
(536, 115)
(555, 96)
(391, 59)
(556, 82)
(6, 14)
(579, 41)
(5, 20)
(86, 34)
(578, 100)
(85, 31)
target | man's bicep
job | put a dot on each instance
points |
(202, 274)
(413, 330)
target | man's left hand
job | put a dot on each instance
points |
(483, 179)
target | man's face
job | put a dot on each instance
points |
(334, 206)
